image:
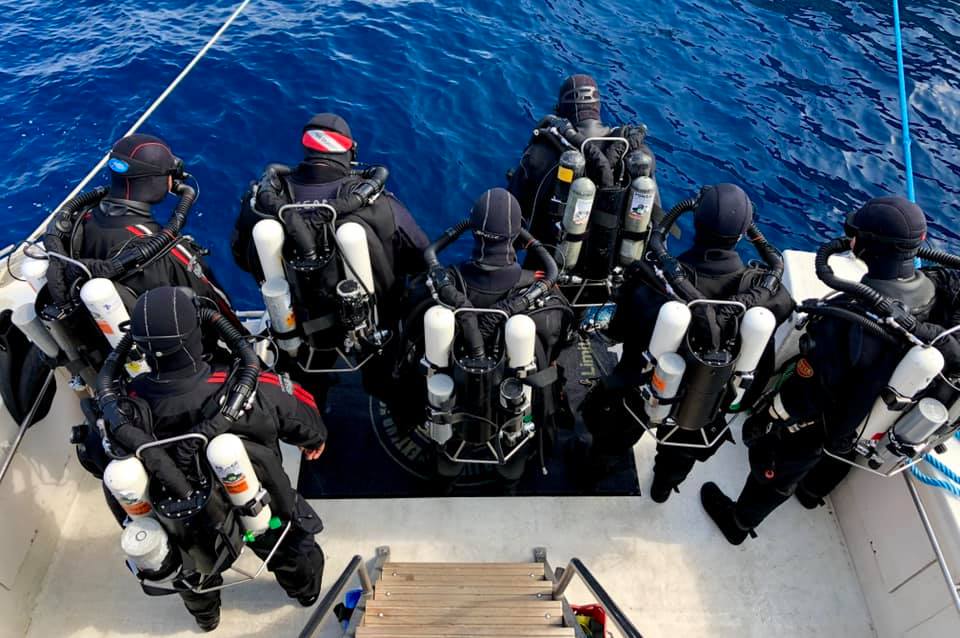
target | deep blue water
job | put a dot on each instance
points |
(794, 99)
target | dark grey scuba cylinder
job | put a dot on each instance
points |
(920, 423)
(576, 217)
(705, 384)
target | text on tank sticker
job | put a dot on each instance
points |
(641, 205)
(232, 478)
(132, 503)
(581, 211)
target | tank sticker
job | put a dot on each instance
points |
(581, 211)
(564, 174)
(132, 503)
(232, 478)
(118, 165)
(641, 205)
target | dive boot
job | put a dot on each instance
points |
(660, 489)
(807, 499)
(209, 623)
(721, 509)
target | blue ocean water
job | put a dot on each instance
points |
(795, 100)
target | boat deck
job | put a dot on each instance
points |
(666, 565)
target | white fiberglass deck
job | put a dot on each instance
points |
(666, 565)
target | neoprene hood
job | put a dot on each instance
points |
(888, 232)
(165, 325)
(579, 99)
(495, 220)
(140, 168)
(722, 216)
(327, 138)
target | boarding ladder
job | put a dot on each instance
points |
(448, 600)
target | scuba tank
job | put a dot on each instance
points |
(911, 436)
(639, 210)
(570, 168)
(912, 375)
(231, 464)
(576, 217)
(673, 319)
(35, 272)
(104, 304)
(268, 240)
(439, 325)
(756, 328)
(665, 384)
(520, 338)
(145, 544)
(128, 482)
(25, 318)
(283, 321)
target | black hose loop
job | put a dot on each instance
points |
(106, 383)
(448, 237)
(672, 270)
(770, 255)
(871, 326)
(248, 374)
(940, 257)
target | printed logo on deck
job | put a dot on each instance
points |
(118, 165)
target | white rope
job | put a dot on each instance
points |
(146, 114)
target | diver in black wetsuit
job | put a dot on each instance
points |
(722, 215)
(843, 368)
(491, 279)
(533, 181)
(184, 394)
(394, 239)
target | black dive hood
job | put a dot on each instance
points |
(870, 297)
(449, 295)
(373, 180)
(137, 254)
(674, 273)
(243, 386)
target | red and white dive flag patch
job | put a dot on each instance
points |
(326, 141)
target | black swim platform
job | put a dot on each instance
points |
(368, 458)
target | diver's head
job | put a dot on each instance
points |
(327, 140)
(886, 233)
(722, 216)
(579, 99)
(495, 220)
(142, 169)
(166, 327)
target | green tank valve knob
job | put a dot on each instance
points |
(275, 522)
(528, 418)
(249, 537)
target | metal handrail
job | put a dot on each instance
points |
(614, 613)
(934, 543)
(356, 564)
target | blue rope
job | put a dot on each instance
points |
(904, 107)
(952, 484)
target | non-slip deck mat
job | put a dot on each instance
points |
(367, 458)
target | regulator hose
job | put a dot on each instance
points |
(245, 382)
(769, 254)
(448, 293)
(672, 270)
(140, 252)
(551, 270)
(449, 236)
(866, 323)
(864, 293)
(107, 379)
(62, 225)
(939, 257)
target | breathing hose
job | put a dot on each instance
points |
(449, 236)
(939, 257)
(866, 323)
(447, 292)
(245, 382)
(142, 251)
(672, 270)
(878, 302)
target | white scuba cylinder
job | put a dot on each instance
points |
(231, 464)
(576, 216)
(353, 242)
(35, 272)
(268, 239)
(914, 373)
(636, 218)
(279, 304)
(756, 328)
(673, 319)
(25, 318)
(520, 335)
(438, 332)
(103, 301)
(665, 383)
(145, 543)
(127, 480)
(101, 298)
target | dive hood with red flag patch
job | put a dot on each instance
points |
(326, 137)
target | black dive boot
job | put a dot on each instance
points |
(720, 508)
(808, 499)
(660, 489)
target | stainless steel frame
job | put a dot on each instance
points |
(934, 543)
(576, 568)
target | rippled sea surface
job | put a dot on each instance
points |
(795, 100)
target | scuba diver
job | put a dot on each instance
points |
(104, 248)
(303, 233)
(170, 430)
(589, 185)
(866, 384)
(697, 343)
(481, 346)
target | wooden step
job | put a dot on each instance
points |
(392, 614)
(460, 631)
(465, 584)
(396, 569)
(439, 577)
(465, 606)
(443, 596)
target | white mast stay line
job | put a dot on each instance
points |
(146, 114)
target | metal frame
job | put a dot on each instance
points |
(25, 425)
(602, 138)
(581, 288)
(352, 367)
(707, 443)
(865, 468)
(569, 618)
(496, 459)
(576, 568)
(357, 565)
(934, 543)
